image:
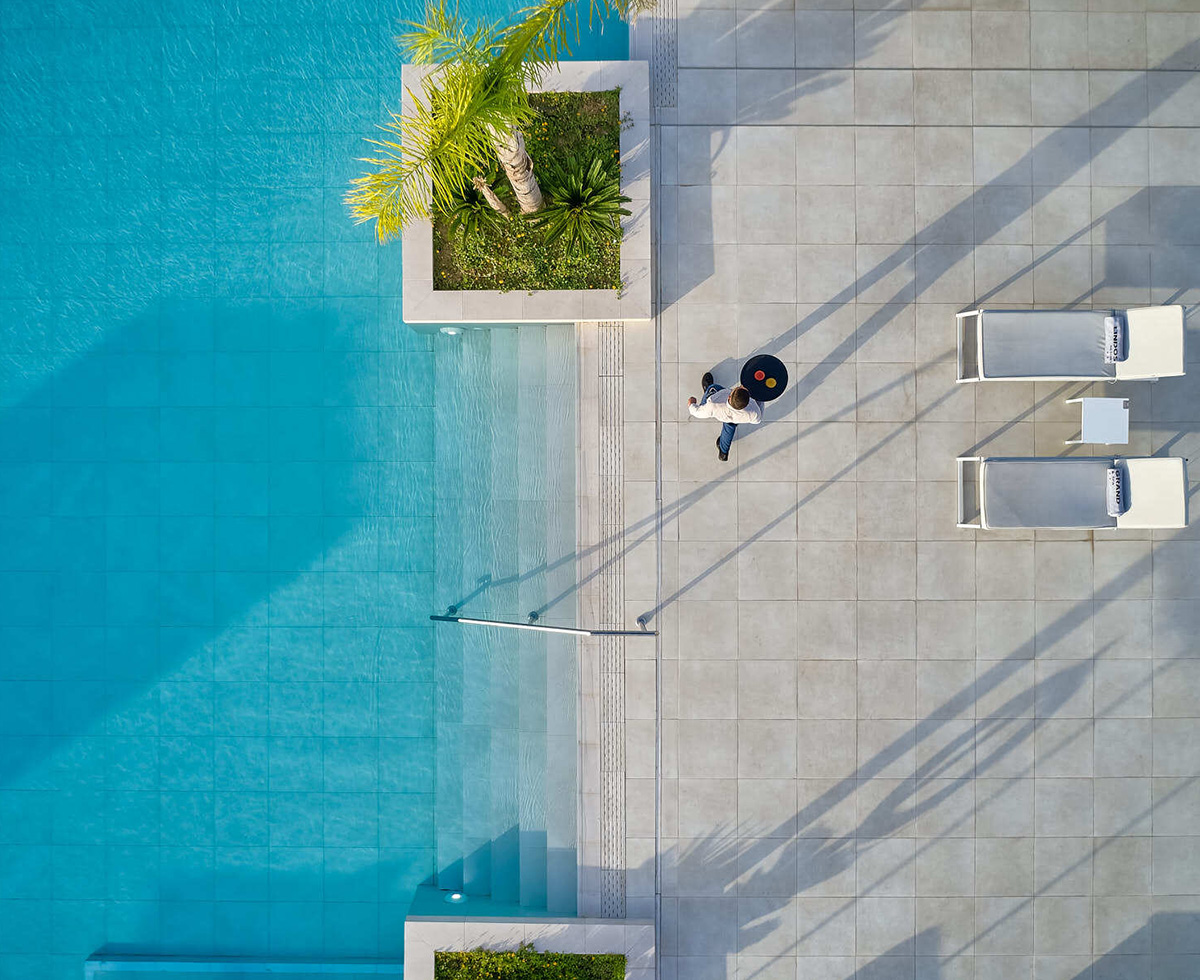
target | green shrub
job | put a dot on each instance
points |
(584, 206)
(527, 963)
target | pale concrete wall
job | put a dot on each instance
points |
(423, 936)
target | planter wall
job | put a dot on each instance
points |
(423, 936)
(424, 304)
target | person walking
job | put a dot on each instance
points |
(730, 406)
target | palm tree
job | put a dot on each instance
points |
(449, 137)
(471, 110)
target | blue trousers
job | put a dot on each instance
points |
(727, 428)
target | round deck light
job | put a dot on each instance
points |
(455, 898)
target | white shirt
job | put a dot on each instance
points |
(717, 407)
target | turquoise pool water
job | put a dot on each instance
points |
(233, 485)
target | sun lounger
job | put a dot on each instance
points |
(1071, 492)
(1069, 345)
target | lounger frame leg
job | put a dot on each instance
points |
(963, 463)
(968, 321)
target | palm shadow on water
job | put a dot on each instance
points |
(126, 506)
(216, 484)
(191, 568)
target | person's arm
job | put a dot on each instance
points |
(755, 411)
(699, 411)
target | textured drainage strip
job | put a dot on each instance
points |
(664, 60)
(612, 615)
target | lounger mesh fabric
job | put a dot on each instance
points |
(1049, 493)
(1044, 343)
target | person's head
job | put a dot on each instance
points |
(739, 397)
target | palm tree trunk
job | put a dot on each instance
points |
(489, 195)
(518, 166)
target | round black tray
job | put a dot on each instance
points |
(765, 377)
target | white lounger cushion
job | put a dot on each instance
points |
(1154, 339)
(1066, 345)
(1069, 492)
(1066, 492)
(1016, 344)
(1158, 491)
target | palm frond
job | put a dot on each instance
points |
(444, 37)
(628, 10)
(541, 34)
(432, 153)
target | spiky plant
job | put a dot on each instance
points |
(585, 205)
(476, 210)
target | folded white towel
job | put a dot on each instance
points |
(1115, 496)
(1114, 339)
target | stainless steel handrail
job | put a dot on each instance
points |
(532, 624)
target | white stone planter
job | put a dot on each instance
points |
(424, 304)
(423, 936)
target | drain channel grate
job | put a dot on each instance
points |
(664, 59)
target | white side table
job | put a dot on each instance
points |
(1105, 420)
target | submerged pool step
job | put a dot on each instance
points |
(531, 549)
(449, 365)
(505, 726)
(461, 477)
(560, 666)
(498, 821)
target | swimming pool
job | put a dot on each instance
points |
(233, 486)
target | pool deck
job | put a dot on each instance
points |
(889, 745)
